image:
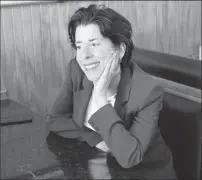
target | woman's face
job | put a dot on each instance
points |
(93, 50)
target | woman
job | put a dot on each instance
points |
(106, 99)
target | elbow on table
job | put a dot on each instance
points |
(132, 161)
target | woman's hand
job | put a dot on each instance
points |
(103, 147)
(102, 84)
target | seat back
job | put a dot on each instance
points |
(171, 67)
(180, 125)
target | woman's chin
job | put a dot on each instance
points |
(92, 78)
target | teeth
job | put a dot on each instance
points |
(91, 66)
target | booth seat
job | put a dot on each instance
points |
(180, 118)
(180, 125)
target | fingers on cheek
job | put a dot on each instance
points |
(114, 64)
(107, 68)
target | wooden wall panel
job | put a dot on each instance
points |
(35, 48)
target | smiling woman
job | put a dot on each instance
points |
(92, 50)
(107, 100)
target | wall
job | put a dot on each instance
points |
(35, 49)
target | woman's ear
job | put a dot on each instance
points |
(122, 50)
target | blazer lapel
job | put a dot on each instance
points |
(81, 99)
(123, 92)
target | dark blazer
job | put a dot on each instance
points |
(130, 128)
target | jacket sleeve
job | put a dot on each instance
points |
(129, 146)
(60, 118)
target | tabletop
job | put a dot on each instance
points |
(29, 151)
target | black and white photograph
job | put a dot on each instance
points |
(101, 90)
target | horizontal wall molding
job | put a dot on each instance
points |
(22, 3)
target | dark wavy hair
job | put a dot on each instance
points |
(112, 25)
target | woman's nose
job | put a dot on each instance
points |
(87, 53)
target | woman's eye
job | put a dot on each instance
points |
(94, 44)
(78, 47)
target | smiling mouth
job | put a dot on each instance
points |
(91, 66)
